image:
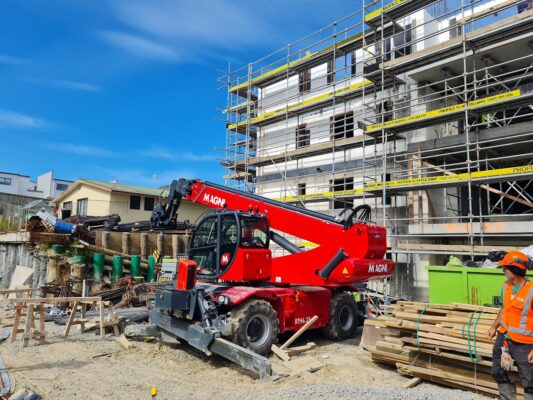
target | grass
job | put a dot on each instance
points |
(7, 225)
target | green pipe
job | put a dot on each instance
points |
(58, 249)
(118, 268)
(98, 263)
(135, 266)
(150, 277)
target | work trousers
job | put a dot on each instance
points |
(519, 352)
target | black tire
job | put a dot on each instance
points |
(344, 317)
(255, 326)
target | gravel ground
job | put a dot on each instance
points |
(86, 367)
(343, 391)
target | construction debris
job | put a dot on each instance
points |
(445, 344)
(140, 332)
(124, 342)
(283, 351)
(128, 315)
(62, 287)
(126, 293)
(300, 364)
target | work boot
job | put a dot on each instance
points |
(507, 391)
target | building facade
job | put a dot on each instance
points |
(20, 189)
(133, 203)
(422, 109)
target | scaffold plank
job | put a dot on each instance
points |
(270, 115)
(396, 9)
(309, 151)
(281, 70)
(451, 248)
(514, 173)
(310, 59)
(446, 111)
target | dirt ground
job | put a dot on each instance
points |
(86, 367)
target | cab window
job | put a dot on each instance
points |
(254, 233)
(203, 246)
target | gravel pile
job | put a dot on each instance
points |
(343, 391)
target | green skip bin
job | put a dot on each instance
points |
(478, 286)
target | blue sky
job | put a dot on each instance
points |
(127, 89)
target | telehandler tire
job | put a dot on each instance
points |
(255, 326)
(344, 317)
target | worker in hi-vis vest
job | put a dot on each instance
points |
(514, 328)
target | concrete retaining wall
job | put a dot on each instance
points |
(20, 253)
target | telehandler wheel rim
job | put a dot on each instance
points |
(346, 317)
(258, 330)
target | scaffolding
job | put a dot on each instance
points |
(423, 109)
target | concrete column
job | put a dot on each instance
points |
(143, 241)
(52, 272)
(27, 260)
(3, 253)
(160, 242)
(44, 270)
(126, 240)
(175, 245)
(18, 255)
(78, 270)
(36, 265)
(183, 243)
(12, 249)
(105, 240)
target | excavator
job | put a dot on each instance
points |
(233, 298)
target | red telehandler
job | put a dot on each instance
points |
(233, 298)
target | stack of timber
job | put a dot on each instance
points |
(445, 344)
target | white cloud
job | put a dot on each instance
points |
(10, 119)
(80, 149)
(205, 30)
(189, 31)
(198, 157)
(157, 152)
(162, 153)
(66, 84)
(83, 86)
(140, 46)
(222, 22)
(7, 59)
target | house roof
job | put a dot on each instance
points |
(13, 174)
(112, 187)
(119, 187)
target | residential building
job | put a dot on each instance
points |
(50, 186)
(421, 109)
(20, 189)
(133, 203)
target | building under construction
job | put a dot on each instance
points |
(421, 109)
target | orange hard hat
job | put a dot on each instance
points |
(515, 259)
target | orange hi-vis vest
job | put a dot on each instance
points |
(517, 318)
